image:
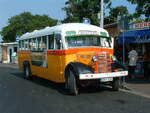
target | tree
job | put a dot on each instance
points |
(25, 22)
(76, 10)
(142, 8)
(115, 12)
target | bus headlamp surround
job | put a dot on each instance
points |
(94, 58)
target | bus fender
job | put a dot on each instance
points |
(78, 68)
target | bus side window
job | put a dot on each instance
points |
(19, 45)
(23, 46)
(34, 44)
(43, 43)
(58, 41)
(26, 44)
(39, 43)
(30, 44)
(51, 41)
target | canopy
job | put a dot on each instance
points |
(135, 36)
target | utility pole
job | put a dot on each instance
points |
(102, 14)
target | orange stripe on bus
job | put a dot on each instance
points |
(75, 50)
(24, 52)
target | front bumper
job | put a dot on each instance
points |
(102, 75)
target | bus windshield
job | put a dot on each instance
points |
(79, 41)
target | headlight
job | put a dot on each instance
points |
(94, 58)
(114, 58)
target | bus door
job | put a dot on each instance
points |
(54, 57)
(39, 56)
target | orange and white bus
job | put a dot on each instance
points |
(76, 54)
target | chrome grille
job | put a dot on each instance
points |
(104, 63)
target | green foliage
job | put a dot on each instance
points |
(76, 10)
(115, 12)
(25, 22)
(138, 20)
(143, 7)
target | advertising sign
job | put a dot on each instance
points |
(140, 25)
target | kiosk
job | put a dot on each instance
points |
(140, 39)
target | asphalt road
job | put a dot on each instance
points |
(19, 95)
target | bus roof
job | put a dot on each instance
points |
(63, 28)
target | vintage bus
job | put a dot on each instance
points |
(76, 54)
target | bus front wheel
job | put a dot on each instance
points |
(115, 84)
(72, 83)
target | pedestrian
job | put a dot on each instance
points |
(14, 57)
(146, 66)
(133, 56)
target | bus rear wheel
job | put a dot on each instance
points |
(27, 72)
(72, 83)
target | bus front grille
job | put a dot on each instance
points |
(103, 64)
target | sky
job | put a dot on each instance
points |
(53, 8)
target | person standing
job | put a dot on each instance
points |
(133, 56)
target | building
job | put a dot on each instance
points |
(112, 29)
(137, 36)
(8, 52)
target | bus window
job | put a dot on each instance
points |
(26, 45)
(23, 47)
(105, 42)
(34, 44)
(43, 43)
(30, 44)
(20, 45)
(51, 41)
(80, 41)
(39, 43)
(58, 41)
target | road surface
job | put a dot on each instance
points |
(19, 95)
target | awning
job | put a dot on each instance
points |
(135, 36)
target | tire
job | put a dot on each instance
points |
(72, 84)
(27, 72)
(115, 84)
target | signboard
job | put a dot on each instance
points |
(86, 32)
(135, 36)
(140, 25)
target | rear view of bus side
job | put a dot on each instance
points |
(75, 54)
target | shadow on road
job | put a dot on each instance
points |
(43, 82)
(61, 87)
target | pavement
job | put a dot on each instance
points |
(138, 86)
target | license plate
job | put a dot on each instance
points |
(106, 79)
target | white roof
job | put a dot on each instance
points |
(10, 43)
(62, 29)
